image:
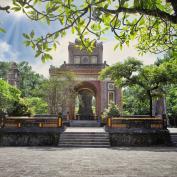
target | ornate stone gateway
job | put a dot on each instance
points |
(93, 95)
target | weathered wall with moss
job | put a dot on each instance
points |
(29, 137)
(141, 138)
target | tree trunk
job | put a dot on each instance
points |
(150, 102)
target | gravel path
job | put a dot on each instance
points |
(88, 162)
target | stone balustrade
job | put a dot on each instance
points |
(136, 122)
(41, 122)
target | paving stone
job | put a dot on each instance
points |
(88, 162)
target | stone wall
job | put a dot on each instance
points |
(139, 138)
(24, 137)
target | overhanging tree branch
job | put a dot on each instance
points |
(5, 8)
(156, 12)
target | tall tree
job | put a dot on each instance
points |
(151, 78)
(4, 68)
(171, 101)
(135, 101)
(30, 81)
(59, 92)
(8, 95)
(153, 23)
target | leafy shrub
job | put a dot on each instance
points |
(8, 96)
(20, 108)
(37, 105)
(112, 111)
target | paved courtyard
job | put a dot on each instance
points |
(88, 162)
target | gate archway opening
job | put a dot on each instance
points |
(86, 102)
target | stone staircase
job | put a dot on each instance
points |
(174, 138)
(84, 139)
(84, 123)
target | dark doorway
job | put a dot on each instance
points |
(86, 104)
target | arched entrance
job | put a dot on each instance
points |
(85, 104)
(86, 101)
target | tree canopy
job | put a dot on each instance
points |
(30, 81)
(4, 68)
(59, 92)
(153, 23)
(28, 98)
(135, 101)
(8, 95)
(151, 78)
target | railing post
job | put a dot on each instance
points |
(40, 125)
(164, 121)
(19, 125)
(2, 122)
(59, 122)
(109, 122)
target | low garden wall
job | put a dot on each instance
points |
(30, 136)
(137, 131)
(30, 131)
(139, 137)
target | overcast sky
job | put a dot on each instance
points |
(13, 49)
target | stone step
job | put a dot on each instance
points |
(82, 142)
(84, 139)
(80, 136)
(174, 138)
(84, 123)
(86, 134)
(84, 146)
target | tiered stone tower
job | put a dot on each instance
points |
(13, 76)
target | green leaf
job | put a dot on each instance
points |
(32, 34)
(46, 57)
(54, 46)
(27, 43)
(2, 30)
(26, 36)
(116, 46)
(72, 29)
(121, 46)
(38, 53)
(16, 9)
(48, 20)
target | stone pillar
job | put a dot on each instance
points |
(159, 106)
(103, 103)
